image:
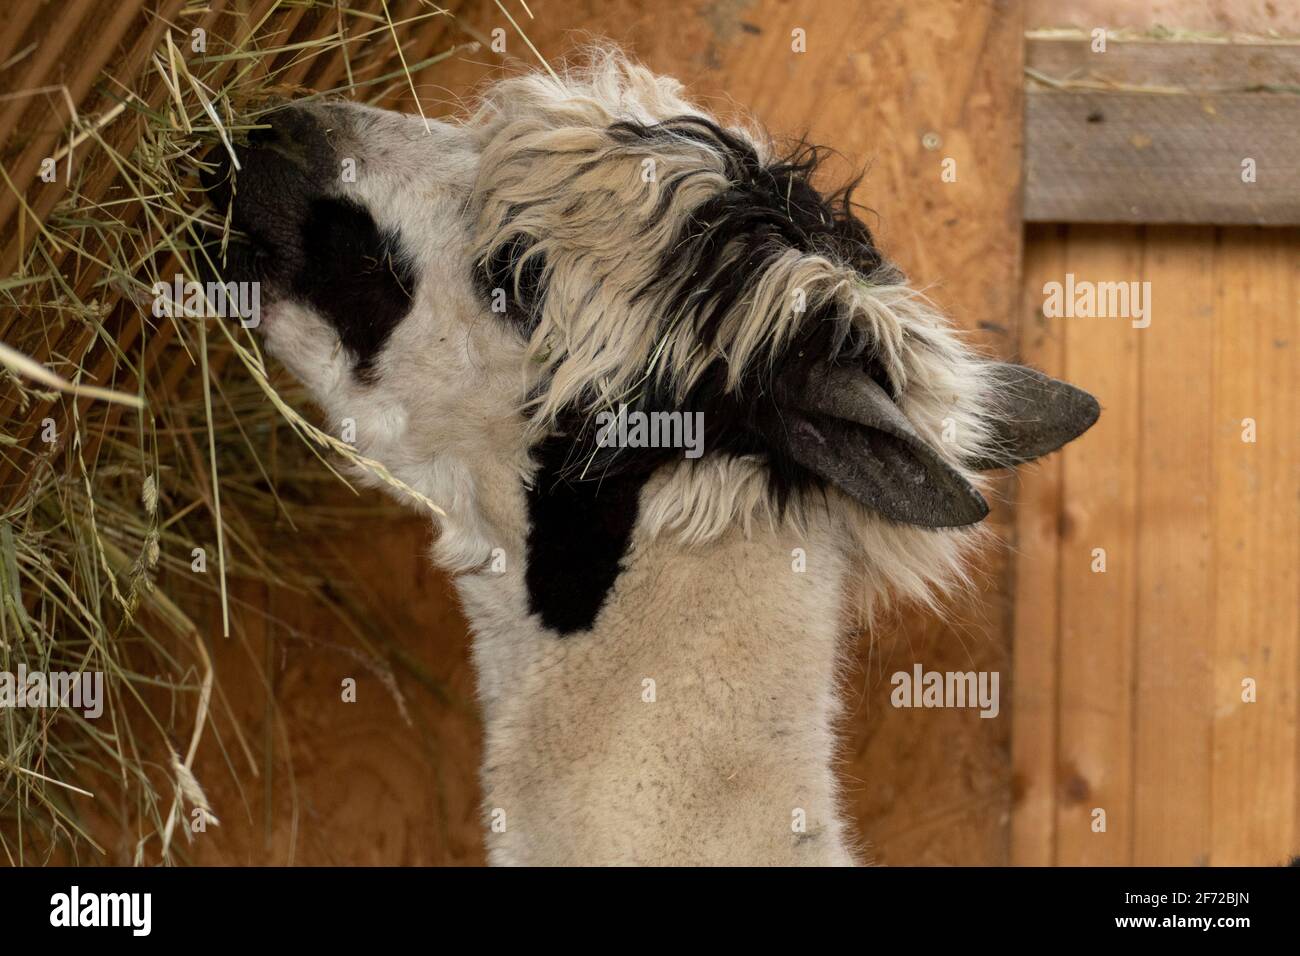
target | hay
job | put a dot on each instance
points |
(131, 441)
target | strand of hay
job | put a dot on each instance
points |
(131, 441)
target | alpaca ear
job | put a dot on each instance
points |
(846, 429)
(1033, 415)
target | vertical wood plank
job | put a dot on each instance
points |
(1293, 255)
(1036, 632)
(1097, 608)
(1175, 648)
(1256, 526)
(1294, 412)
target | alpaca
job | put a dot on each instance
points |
(656, 634)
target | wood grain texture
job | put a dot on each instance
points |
(1187, 67)
(1036, 631)
(1258, 17)
(1162, 158)
(296, 779)
(1140, 710)
(388, 779)
(1098, 567)
(1256, 526)
(1156, 131)
(1172, 667)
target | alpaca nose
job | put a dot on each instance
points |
(289, 130)
(269, 184)
(286, 162)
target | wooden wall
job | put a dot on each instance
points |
(1129, 694)
(1128, 683)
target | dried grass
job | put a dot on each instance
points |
(130, 441)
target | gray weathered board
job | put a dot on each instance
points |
(1159, 132)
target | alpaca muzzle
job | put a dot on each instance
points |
(298, 232)
(285, 167)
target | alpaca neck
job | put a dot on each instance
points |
(691, 724)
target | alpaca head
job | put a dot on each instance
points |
(479, 296)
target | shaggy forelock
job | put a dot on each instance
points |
(652, 257)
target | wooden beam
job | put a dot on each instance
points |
(1162, 132)
(1195, 67)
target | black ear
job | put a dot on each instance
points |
(845, 428)
(1034, 415)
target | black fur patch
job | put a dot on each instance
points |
(767, 210)
(580, 526)
(578, 532)
(355, 275)
(295, 239)
(716, 260)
